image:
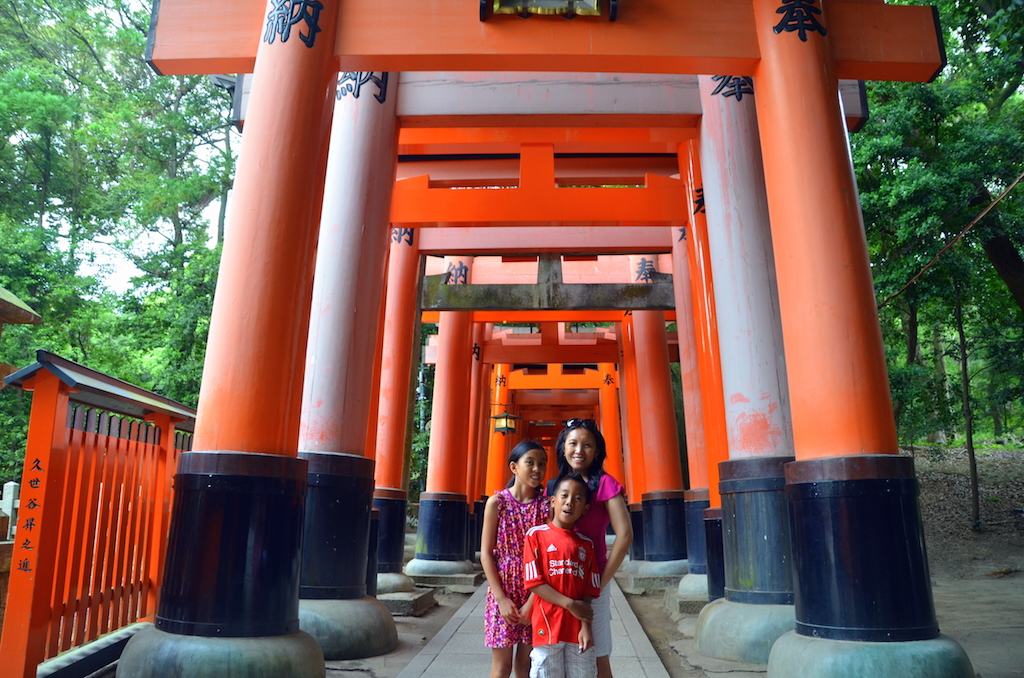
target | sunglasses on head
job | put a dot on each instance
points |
(581, 423)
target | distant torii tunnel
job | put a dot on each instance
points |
(568, 175)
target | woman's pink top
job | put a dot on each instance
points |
(594, 523)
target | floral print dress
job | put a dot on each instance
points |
(514, 519)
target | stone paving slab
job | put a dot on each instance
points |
(457, 651)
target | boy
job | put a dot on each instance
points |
(561, 570)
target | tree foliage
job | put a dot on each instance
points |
(105, 167)
(931, 158)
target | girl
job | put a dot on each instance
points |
(507, 517)
(581, 447)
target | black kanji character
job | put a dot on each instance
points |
(284, 14)
(733, 86)
(458, 275)
(399, 235)
(698, 204)
(799, 15)
(351, 82)
(645, 270)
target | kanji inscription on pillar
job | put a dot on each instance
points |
(284, 14)
(458, 274)
(733, 86)
(698, 203)
(401, 236)
(645, 270)
(351, 82)
(800, 16)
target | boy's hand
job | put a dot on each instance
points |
(508, 611)
(586, 638)
(526, 611)
(581, 610)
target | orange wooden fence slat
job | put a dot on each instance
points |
(95, 455)
(103, 536)
(62, 566)
(133, 490)
(147, 479)
(116, 452)
(76, 543)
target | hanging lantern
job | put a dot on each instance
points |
(504, 423)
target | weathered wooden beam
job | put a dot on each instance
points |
(438, 296)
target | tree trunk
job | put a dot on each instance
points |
(1007, 261)
(910, 327)
(965, 394)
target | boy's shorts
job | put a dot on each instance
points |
(562, 660)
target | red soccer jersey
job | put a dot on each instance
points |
(565, 560)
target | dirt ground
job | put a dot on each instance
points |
(977, 576)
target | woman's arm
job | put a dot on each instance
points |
(488, 539)
(623, 528)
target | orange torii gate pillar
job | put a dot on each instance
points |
(694, 584)
(239, 496)
(703, 385)
(338, 395)
(758, 581)
(862, 590)
(664, 518)
(400, 346)
(442, 532)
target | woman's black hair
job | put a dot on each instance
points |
(596, 469)
(518, 452)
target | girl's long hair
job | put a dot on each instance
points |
(518, 452)
(596, 469)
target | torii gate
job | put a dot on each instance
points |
(793, 49)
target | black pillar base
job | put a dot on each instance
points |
(393, 504)
(755, 531)
(337, 536)
(714, 552)
(860, 565)
(371, 553)
(664, 526)
(442, 529)
(234, 546)
(695, 501)
(636, 519)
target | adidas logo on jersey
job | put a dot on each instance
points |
(551, 547)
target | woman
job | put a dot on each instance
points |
(580, 447)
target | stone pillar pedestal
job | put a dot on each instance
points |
(335, 608)
(441, 537)
(758, 571)
(219, 614)
(862, 588)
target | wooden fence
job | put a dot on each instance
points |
(94, 511)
